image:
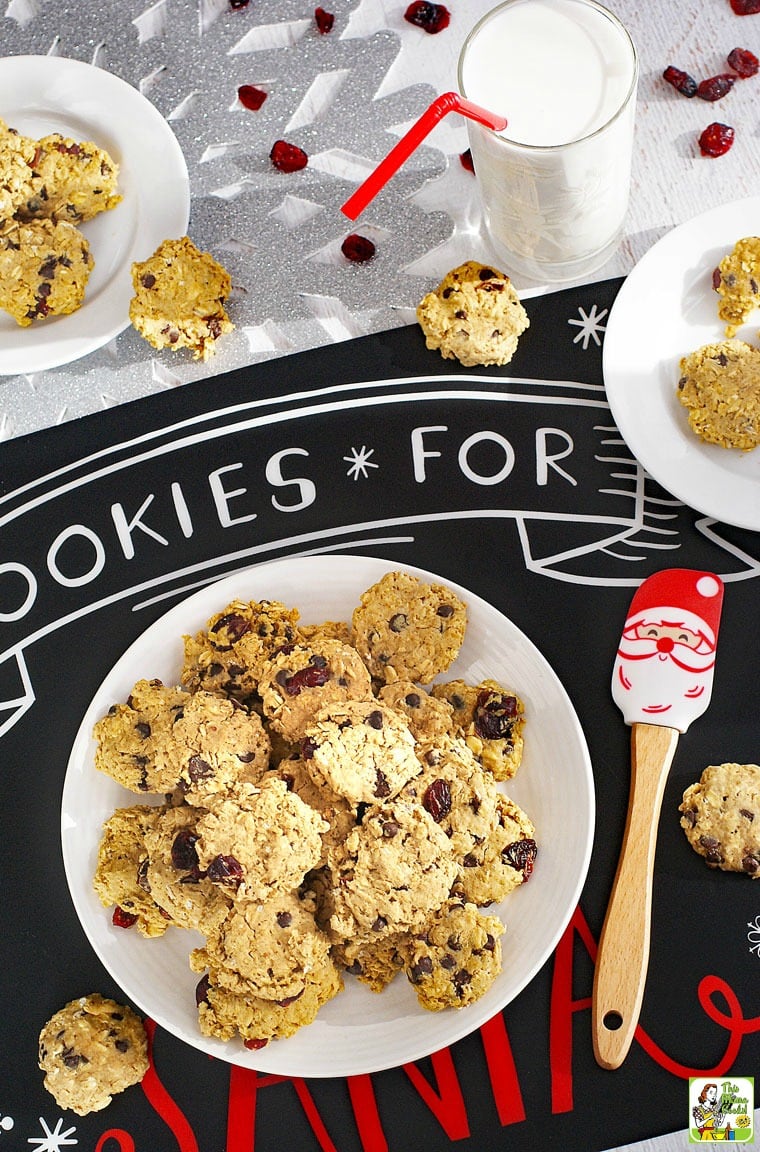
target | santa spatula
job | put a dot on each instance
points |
(661, 681)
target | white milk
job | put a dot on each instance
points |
(555, 182)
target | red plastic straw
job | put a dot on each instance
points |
(448, 102)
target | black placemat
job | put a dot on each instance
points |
(512, 482)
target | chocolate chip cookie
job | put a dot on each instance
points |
(720, 815)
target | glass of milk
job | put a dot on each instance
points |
(555, 182)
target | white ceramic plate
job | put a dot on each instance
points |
(359, 1031)
(42, 94)
(665, 309)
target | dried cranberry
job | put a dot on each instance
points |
(254, 1045)
(743, 61)
(234, 4)
(745, 7)
(437, 799)
(716, 279)
(521, 855)
(312, 676)
(123, 919)
(716, 87)
(184, 855)
(324, 20)
(251, 97)
(288, 157)
(201, 990)
(226, 870)
(232, 623)
(465, 159)
(358, 249)
(430, 17)
(681, 81)
(495, 715)
(716, 139)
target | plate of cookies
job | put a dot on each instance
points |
(93, 179)
(327, 816)
(681, 362)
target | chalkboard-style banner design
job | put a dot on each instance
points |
(513, 483)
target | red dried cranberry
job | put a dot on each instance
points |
(325, 20)
(743, 61)
(716, 279)
(254, 1045)
(430, 17)
(201, 990)
(716, 87)
(234, 4)
(357, 248)
(288, 157)
(745, 7)
(437, 799)
(465, 159)
(251, 97)
(494, 715)
(716, 139)
(226, 870)
(184, 855)
(123, 919)
(521, 855)
(312, 676)
(681, 81)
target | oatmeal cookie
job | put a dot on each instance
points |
(16, 155)
(258, 840)
(120, 875)
(179, 298)
(267, 949)
(429, 719)
(91, 1050)
(719, 384)
(737, 282)
(394, 869)
(455, 959)
(174, 877)
(130, 736)
(491, 719)
(362, 749)
(301, 680)
(44, 269)
(339, 814)
(720, 815)
(503, 860)
(405, 629)
(71, 181)
(473, 316)
(374, 962)
(224, 1013)
(228, 657)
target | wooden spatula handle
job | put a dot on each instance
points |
(623, 954)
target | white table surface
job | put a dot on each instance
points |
(347, 97)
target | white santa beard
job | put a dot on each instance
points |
(655, 689)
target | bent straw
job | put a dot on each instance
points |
(448, 102)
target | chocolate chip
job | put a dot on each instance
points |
(375, 719)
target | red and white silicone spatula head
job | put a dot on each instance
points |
(663, 670)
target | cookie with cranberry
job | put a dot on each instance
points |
(720, 815)
(406, 629)
(298, 681)
(44, 269)
(91, 1050)
(174, 877)
(719, 385)
(473, 316)
(503, 860)
(429, 719)
(229, 656)
(455, 959)
(258, 840)
(16, 155)
(267, 949)
(120, 876)
(131, 737)
(393, 870)
(72, 180)
(491, 718)
(737, 282)
(225, 1014)
(362, 749)
(179, 295)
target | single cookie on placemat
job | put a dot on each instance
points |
(720, 815)
(473, 316)
(90, 1050)
(720, 386)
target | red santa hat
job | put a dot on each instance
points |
(680, 596)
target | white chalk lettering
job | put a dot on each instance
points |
(306, 488)
(546, 460)
(31, 591)
(183, 512)
(222, 497)
(125, 528)
(95, 569)
(480, 438)
(419, 453)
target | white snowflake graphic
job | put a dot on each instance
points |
(589, 325)
(360, 462)
(6, 1123)
(54, 1139)
(754, 935)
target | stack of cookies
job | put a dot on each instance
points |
(316, 806)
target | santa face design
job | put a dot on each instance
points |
(664, 665)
